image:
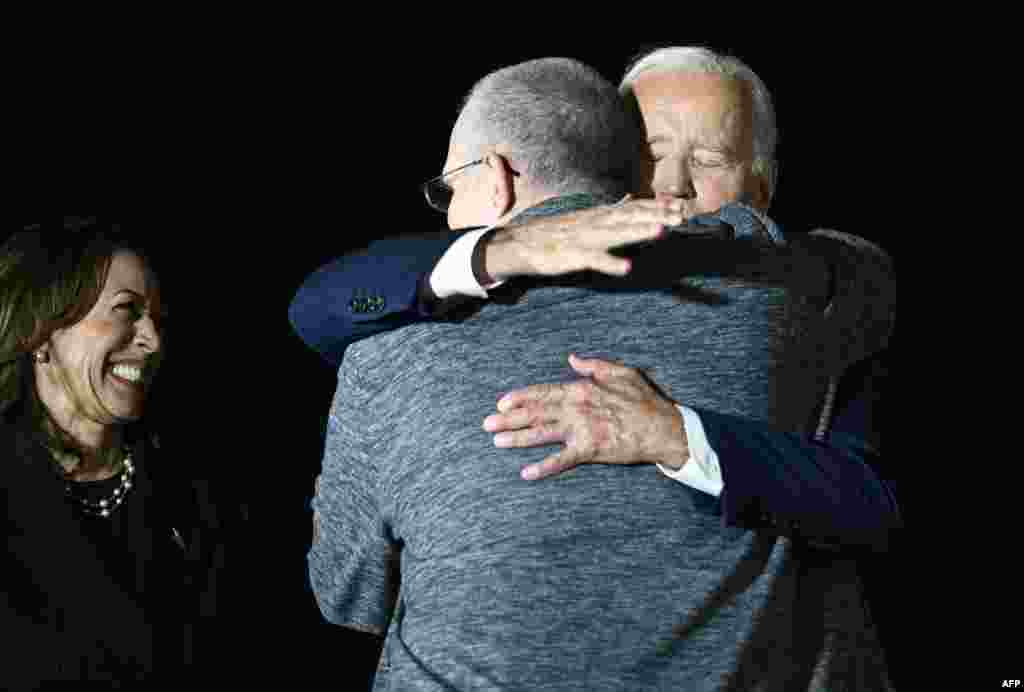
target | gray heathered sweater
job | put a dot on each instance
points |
(604, 578)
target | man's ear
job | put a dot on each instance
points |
(503, 190)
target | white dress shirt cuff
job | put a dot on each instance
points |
(701, 471)
(453, 273)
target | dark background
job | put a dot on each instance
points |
(250, 156)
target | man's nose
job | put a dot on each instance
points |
(684, 191)
(680, 186)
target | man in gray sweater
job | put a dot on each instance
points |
(607, 577)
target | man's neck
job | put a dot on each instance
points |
(544, 198)
(561, 203)
(524, 201)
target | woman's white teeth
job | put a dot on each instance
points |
(132, 373)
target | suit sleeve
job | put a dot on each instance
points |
(365, 293)
(833, 491)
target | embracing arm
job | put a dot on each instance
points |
(397, 281)
(367, 292)
(832, 490)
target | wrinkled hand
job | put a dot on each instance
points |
(615, 416)
(579, 240)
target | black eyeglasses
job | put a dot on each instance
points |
(438, 192)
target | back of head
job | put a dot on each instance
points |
(562, 122)
(704, 60)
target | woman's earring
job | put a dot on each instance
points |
(42, 357)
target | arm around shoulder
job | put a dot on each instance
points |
(364, 293)
(832, 490)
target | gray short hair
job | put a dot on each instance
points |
(564, 123)
(696, 59)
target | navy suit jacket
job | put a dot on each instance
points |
(831, 491)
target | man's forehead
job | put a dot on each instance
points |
(712, 108)
(689, 91)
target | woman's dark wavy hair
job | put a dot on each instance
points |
(50, 278)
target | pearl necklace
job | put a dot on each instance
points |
(105, 507)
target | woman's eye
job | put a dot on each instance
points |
(132, 308)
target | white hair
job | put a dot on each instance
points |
(703, 60)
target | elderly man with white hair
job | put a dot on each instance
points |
(711, 140)
(710, 127)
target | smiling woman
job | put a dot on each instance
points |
(79, 325)
(105, 568)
